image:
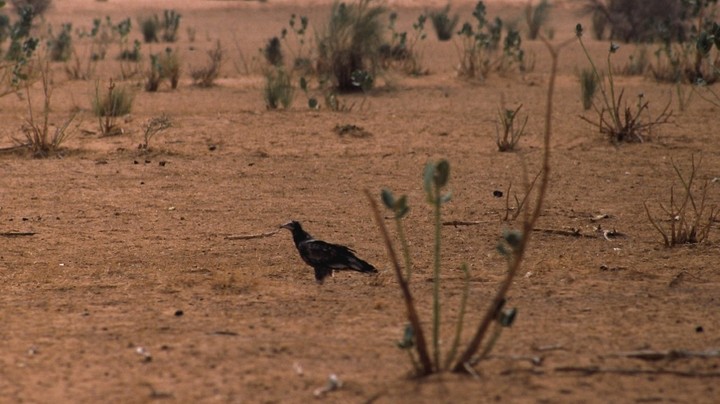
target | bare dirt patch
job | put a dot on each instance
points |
(130, 291)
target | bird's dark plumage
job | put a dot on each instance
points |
(325, 257)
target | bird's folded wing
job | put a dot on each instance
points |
(324, 253)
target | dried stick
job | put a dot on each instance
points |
(17, 233)
(251, 236)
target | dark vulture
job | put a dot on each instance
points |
(325, 257)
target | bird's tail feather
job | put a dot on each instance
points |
(360, 265)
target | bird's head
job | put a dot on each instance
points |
(291, 225)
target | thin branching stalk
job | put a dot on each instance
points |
(413, 318)
(462, 364)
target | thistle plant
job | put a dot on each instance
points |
(426, 359)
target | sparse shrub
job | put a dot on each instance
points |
(22, 47)
(351, 42)
(38, 136)
(39, 7)
(442, 23)
(191, 33)
(149, 26)
(600, 21)
(114, 103)
(205, 76)
(273, 52)
(513, 212)
(20, 37)
(588, 87)
(170, 69)
(102, 34)
(300, 60)
(153, 76)
(133, 55)
(692, 61)
(312, 101)
(637, 64)
(60, 47)
(480, 54)
(4, 27)
(648, 21)
(170, 25)
(278, 91)
(690, 218)
(511, 133)
(122, 33)
(619, 122)
(403, 49)
(152, 127)
(163, 66)
(536, 17)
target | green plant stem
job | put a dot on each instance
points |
(611, 84)
(461, 317)
(436, 281)
(405, 248)
(413, 318)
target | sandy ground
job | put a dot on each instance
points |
(129, 290)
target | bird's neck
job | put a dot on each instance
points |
(300, 235)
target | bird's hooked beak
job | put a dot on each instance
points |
(288, 225)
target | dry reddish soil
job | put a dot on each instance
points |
(130, 291)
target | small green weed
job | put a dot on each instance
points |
(278, 91)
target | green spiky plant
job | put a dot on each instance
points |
(278, 91)
(443, 24)
(536, 17)
(170, 25)
(427, 358)
(588, 87)
(350, 42)
(109, 105)
(149, 26)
